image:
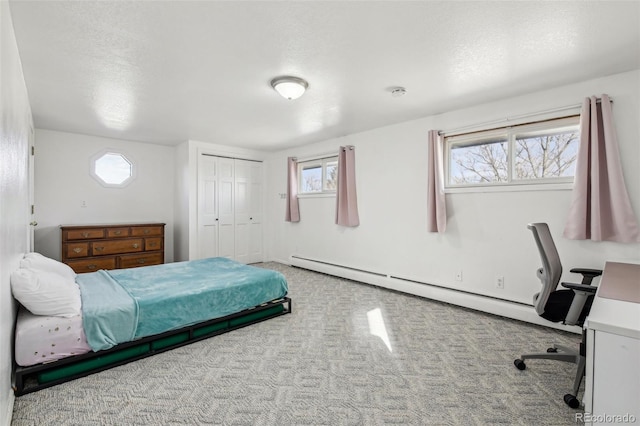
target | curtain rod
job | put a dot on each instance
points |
(316, 157)
(480, 126)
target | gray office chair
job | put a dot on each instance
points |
(569, 306)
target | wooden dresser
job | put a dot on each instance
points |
(87, 248)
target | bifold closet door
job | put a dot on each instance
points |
(229, 208)
(226, 246)
(248, 211)
(208, 220)
(215, 207)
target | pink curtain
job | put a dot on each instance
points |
(600, 208)
(436, 207)
(293, 210)
(346, 197)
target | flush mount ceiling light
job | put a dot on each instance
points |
(289, 87)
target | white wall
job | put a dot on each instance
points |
(181, 205)
(63, 182)
(15, 127)
(486, 232)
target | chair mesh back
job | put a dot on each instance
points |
(551, 270)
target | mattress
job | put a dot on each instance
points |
(41, 339)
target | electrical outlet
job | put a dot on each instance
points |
(83, 204)
(500, 282)
(459, 275)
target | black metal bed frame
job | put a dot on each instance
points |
(28, 379)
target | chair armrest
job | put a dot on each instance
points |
(581, 293)
(580, 287)
(587, 274)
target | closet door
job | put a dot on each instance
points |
(226, 246)
(255, 214)
(208, 221)
(229, 209)
(242, 188)
(248, 211)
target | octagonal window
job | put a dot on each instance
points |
(112, 169)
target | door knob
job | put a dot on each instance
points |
(34, 223)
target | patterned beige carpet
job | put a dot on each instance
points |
(350, 354)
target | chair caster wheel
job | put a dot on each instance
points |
(520, 365)
(571, 401)
(552, 350)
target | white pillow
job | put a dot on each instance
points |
(46, 293)
(38, 262)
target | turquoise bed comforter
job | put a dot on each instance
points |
(125, 304)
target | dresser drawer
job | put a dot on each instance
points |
(151, 244)
(74, 250)
(146, 231)
(117, 232)
(99, 248)
(134, 260)
(92, 265)
(83, 234)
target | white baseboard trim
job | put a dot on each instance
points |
(284, 262)
(500, 307)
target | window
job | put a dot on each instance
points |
(318, 176)
(539, 153)
(112, 169)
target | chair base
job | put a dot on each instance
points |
(561, 353)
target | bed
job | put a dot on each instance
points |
(128, 314)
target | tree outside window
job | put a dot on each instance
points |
(540, 153)
(318, 176)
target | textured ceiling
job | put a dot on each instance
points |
(164, 72)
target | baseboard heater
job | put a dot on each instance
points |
(489, 304)
(40, 376)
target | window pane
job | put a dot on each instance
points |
(113, 168)
(311, 179)
(331, 176)
(546, 156)
(482, 163)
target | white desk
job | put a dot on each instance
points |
(612, 386)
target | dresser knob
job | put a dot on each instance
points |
(77, 250)
(146, 231)
(117, 232)
(98, 248)
(85, 234)
(141, 261)
(134, 245)
(91, 267)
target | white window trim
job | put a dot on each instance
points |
(512, 185)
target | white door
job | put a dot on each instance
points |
(226, 246)
(208, 220)
(255, 214)
(229, 209)
(242, 188)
